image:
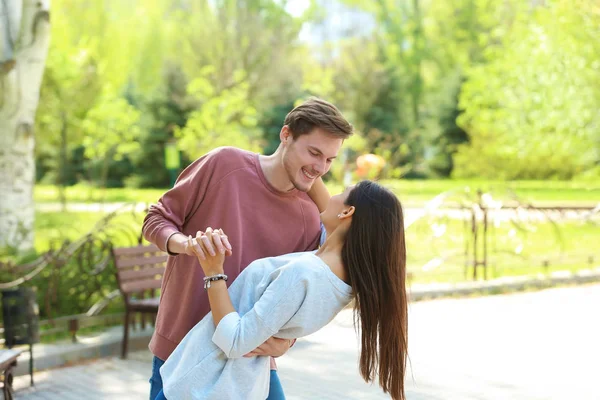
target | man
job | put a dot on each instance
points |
(262, 204)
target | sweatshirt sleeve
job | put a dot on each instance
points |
(169, 215)
(237, 335)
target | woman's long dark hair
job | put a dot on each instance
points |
(374, 254)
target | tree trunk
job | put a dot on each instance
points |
(63, 163)
(24, 41)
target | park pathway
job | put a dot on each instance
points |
(525, 346)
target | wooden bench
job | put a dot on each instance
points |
(8, 360)
(139, 273)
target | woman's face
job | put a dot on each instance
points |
(330, 217)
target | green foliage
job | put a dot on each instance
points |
(532, 110)
(524, 73)
(78, 281)
(447, 134)
(83, 69)
(221, 118)
(70, 87)
(271, 122)
(111, 131)
(251, 42)
(167, 108)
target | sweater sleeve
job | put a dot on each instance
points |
(173, 209)
(237, 335)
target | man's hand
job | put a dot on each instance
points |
(273, 347)
(180, 244)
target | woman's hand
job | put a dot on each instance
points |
(210, 248)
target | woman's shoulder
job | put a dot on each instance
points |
(306, 263)
(283, 263)
(297, 263)
(313, 268)
(290, 258)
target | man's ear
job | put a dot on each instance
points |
(285, 135)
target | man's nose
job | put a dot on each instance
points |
(320, 168)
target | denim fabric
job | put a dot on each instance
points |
(160, 396)
(156, 383)
(275, 388)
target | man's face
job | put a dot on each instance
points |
(309, 156)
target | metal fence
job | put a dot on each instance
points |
(75, 280)
(461, 235)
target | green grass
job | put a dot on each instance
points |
(538, 192)
(567, 248)
(52, 228)
(88, 194)
(512, 250)
(411, 192)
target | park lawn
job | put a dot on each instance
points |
(412, 192)
(419, 192)
(89, 194)
(512, 250)
(52, 228)
(568, 248)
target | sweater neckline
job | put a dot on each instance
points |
(263, 179)
(339, 284)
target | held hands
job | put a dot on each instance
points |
(210, 248)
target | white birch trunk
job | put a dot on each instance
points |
(24, 41)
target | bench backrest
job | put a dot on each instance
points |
(139, 268)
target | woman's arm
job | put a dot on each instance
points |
(319, 194)
(204, 246)
(235, 335)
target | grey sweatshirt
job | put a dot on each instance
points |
(288, 297)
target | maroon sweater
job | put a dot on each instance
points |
(225, 189)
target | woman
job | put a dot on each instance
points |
(294, 295)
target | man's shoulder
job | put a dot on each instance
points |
(228, 159)
(307, 201)
(232, 154)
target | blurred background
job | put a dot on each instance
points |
(482, 115)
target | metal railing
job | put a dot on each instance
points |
(471, 230)
(78, 277)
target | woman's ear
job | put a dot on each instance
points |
(347, 212)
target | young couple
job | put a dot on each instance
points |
(232, 209)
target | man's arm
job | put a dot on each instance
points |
(319, 194)
(165, 219)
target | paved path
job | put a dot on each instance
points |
(535, 346)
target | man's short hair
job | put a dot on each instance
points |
(317, 113)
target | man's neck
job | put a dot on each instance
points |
(274, 172)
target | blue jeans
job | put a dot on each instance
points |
(156, 393)
(275, 388)
(156, 384)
